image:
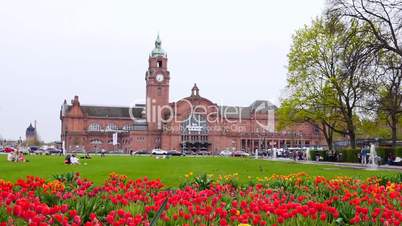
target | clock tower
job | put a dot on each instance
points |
(157, 85)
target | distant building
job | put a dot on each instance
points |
(193, 123)
(31, 135)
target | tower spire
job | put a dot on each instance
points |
(158, 51)
(158, 42)
(195, 91)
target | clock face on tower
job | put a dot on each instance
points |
(159, 77)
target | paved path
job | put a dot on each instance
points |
(347, 164)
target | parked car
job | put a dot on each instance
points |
(140, 152)
(262, 153)
(225, 153)
(33, 149)
(41, 151)
(240, 154)
(159, 152)
(102, 151)
(8, 149)
(189, 152)
(118, 151)
(174, 153)
(1, 148)
(24, 150)
(204, 153)
(51, 151)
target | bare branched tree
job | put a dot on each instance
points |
(384, 20)
(389, 97)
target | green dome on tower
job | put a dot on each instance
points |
(158, 51)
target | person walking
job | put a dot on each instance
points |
(363, 155)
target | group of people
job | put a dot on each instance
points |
(16, 156)
(298, 155)
(71, 160)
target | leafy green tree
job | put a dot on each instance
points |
(329, 65)
(373, 127)
(292, 111)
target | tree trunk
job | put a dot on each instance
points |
(394, 131)
(352, 138)
(331, 138)
(328, 135)
(351, 127)
(394, 137)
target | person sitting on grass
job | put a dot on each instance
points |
(21, 157)
(74, 160)
(67, 160)
(11, 156)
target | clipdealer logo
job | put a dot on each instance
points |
(264, 115)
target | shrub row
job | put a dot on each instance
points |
(385, 152)
(322, 154)
(352, 155)
(349, 155)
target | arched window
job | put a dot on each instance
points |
(111, 126)
(194, 131)
(96, 141)
(195, 124)
(94, 127)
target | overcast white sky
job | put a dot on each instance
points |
(52, 50)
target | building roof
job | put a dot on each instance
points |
(235, 111)
(30, 128)
(110, 112)
(30, 131)
(260, 106)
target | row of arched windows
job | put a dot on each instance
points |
(109, 127)
(98, 141)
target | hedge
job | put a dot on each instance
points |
(385, 152)
(351, 155)
(323, 154)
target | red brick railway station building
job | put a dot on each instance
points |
(192, 123)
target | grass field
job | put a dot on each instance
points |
(171, 171)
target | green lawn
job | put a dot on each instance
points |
(171, 171)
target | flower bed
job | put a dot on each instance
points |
(203, 200)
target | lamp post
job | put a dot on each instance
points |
(259, 143)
